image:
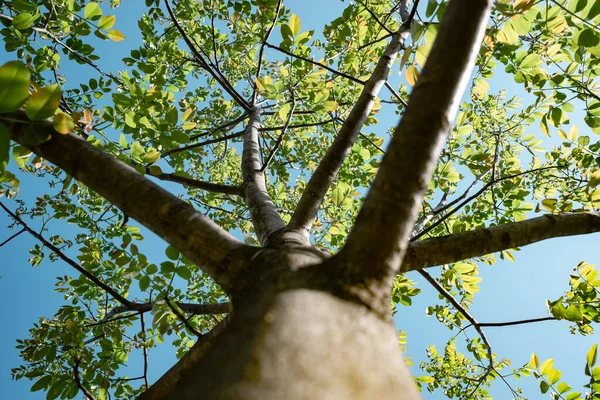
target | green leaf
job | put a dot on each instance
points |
(107, 22)
(14, 86)
(151, 157)
(123, 141)
(184, 272)
(56, 389)
(24, 21)
(144, 282)
(180, 137)
(592, 355)
(172, 253)
(21, 155)
(155, 170)
(534, 360)
(43, 103)
(508, 34)
(588, 38)
(92, 11)
(549, 204)
(137, 149)
(544, 387)
(532, 60)
(546, 366)
(42, 383)
(4, 147)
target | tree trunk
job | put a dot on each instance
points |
(293, 335)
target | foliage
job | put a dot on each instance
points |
(172, 113)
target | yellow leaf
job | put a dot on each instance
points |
(294, 24)
(549, 204)
(595, 198)
(63, 123)
(562, 134)
(522, 5)
(594, 179)
(186, 114)
(115, 35)
(573, 133)
(412, 74)
(480, 87)
(534, 361)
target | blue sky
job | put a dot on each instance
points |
(509, 291)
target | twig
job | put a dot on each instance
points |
(12, 237)
(182, 318)
(262, 50)
(280, 138)
(68, 260)
(80, 385)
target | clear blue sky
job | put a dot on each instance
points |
(509, 291)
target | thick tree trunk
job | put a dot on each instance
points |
(301, 344)
(295, 335)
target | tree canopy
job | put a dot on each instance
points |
(232, 133)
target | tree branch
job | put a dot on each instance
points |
(205, 64)
(168, 382)
(208, 186)
(188, 308)
(479, 242)
(79, 384)
(204, 143)
(116, 295)
(325, 67)
(262, 49)
(376, 246)
(327, 170)
(196, 236)
(265, 218)
(75, 54)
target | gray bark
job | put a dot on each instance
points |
(265, 218)
(324, 175)
(376, 245)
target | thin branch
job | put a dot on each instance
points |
(472, 197)
(208, 186)
(448, 296)
(117, 296)
(188, 308)
(69, 49)
(262, 50)
(308, 60)
(226, 127)
(205, 64)
(194, 235)
(328, 168)
(372, 14)
(263, 212)
(479, 242)
(204, 143)
(281, 136)
(12, 237)
(512, 323)
(298, 126)
(78, 382)
(182, 318)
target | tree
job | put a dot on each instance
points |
(302, 308)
